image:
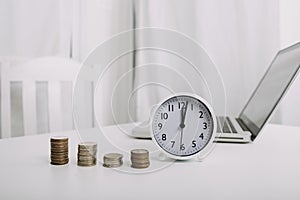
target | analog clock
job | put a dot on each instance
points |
(183, 126)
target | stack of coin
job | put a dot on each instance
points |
(112, 160)
(87, 154)
(59, 150)
(140, 158)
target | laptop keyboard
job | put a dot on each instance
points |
(225, 125)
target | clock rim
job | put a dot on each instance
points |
(208, 147)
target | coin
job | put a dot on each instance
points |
(139, 152)
(60, 162)
(87, 163)
(87, 154)
(59, 138)
(87, 145)
(87, 158)
(140, 161)
(113, 156)
(139, 158)
(59, 150)
(140, 166)
(112, 160)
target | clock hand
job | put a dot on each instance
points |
(182, 125)
(185, 109)
(181, 135)
(183, 114)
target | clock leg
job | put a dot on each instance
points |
(162, 156)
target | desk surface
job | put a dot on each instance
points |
(269, 168)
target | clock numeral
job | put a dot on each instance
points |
(192, 107)
(160, 126)
(181, 104)
(201, 136)
(171, 108)
(182, 147)
(164, 137)
(204, 125)
(201, 114)
(173, 143)
(164, 115)
(194, 143)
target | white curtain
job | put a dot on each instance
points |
(94, 22)
(241, 36)
(34, 28)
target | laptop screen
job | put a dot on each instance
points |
(271, 89)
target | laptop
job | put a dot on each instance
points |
(261, 104)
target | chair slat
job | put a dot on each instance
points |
(16, 108)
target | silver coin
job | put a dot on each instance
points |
(139, 152)
(86, 162)
(86, 159)
(87, 148)
(113, 156)
(140, 161)
(140, 158)
(140, 166)
(80, 163)
(87, 144)
(86, 154)
(112, 160)
(112, 165)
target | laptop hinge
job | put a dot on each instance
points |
(242, 124)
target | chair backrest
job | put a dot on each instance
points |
(37, 96)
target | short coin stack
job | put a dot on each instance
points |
(140, 158)
(87, 154)
(112, 160)
(59, 150)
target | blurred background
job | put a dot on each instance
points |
(43, 42)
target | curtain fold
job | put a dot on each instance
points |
(35, 28)
(241, 37)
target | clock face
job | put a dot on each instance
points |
(183, 126)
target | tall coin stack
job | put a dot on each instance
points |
(87, 154)
(112, 160)
(140, 158)
(59, 150)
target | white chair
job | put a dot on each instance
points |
(5, 61)
(37, 96)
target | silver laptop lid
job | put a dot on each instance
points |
(271, 89)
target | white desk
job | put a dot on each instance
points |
(269, 168)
